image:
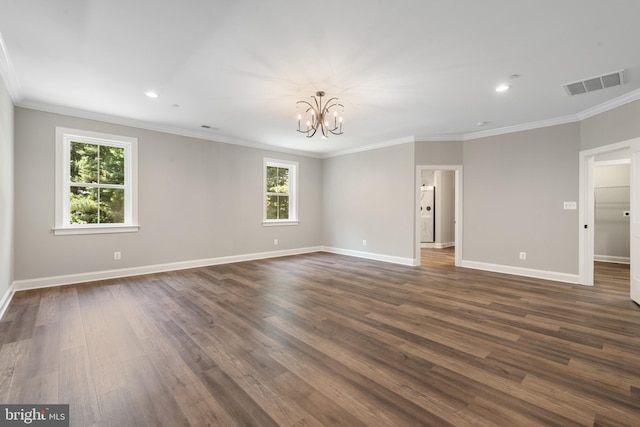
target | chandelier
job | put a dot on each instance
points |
(321, 117)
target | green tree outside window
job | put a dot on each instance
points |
(97, 176)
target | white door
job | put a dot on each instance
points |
(635, 222)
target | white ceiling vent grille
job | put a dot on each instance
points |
(595, 83)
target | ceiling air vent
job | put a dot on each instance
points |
(595, 83)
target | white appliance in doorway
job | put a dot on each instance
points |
(427, 214)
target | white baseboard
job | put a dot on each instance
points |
(371, 255)
(45, 282)
(526, 272)
(613, 259)
(437, 245)
(6, 299)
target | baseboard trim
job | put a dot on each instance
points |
(612, 259)
(70, 279)
(371, 255)
(6, 299)
(45, 282)
(526, 272)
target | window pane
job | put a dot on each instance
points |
(283, 180)
(272, 179)
(112, 205)
(84, 162)
(283, 207)
(277, 207)
(83, 205)
(111, 165)
(272, 207)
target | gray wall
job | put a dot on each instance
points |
(438, 153)
(201, 199)
(6, 189)
(197, 200)
(612, 198)
(514, 189)
(371, 196)
(617, 125)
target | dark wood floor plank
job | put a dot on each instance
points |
(14, 364)
(76, 384)
(156, 402)
(324, 339)
(118, 408)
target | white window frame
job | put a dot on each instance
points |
(293, 192)
(63, 226)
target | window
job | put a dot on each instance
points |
(280, 192)
(95, 183)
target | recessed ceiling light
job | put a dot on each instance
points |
(206, 126)
(482, 123)
(151, 94)
(502, 88)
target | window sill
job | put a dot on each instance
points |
(100, 229)
(278, 223)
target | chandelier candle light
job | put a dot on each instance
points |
(319, 117)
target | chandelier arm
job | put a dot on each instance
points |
(305, 102)
(312, 125)
(329, 107)
(315, 129)
(326, 104)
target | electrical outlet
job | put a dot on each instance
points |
(117, 255)
(275, 241)
(523, 255)
(364, 243)
(570, 206)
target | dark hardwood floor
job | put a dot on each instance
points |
(324, 339)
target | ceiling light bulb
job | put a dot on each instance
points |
(503, 88)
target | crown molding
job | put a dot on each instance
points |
(140, 124)
(375, 146)
(8, 73)
(583, 115)
(523, 127)
(609, 105)
(442, 138)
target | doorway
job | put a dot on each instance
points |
(438, 210)
(618, 152)
(612, 199)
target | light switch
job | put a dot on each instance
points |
(570, 206)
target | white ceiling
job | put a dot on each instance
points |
(404, 69)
